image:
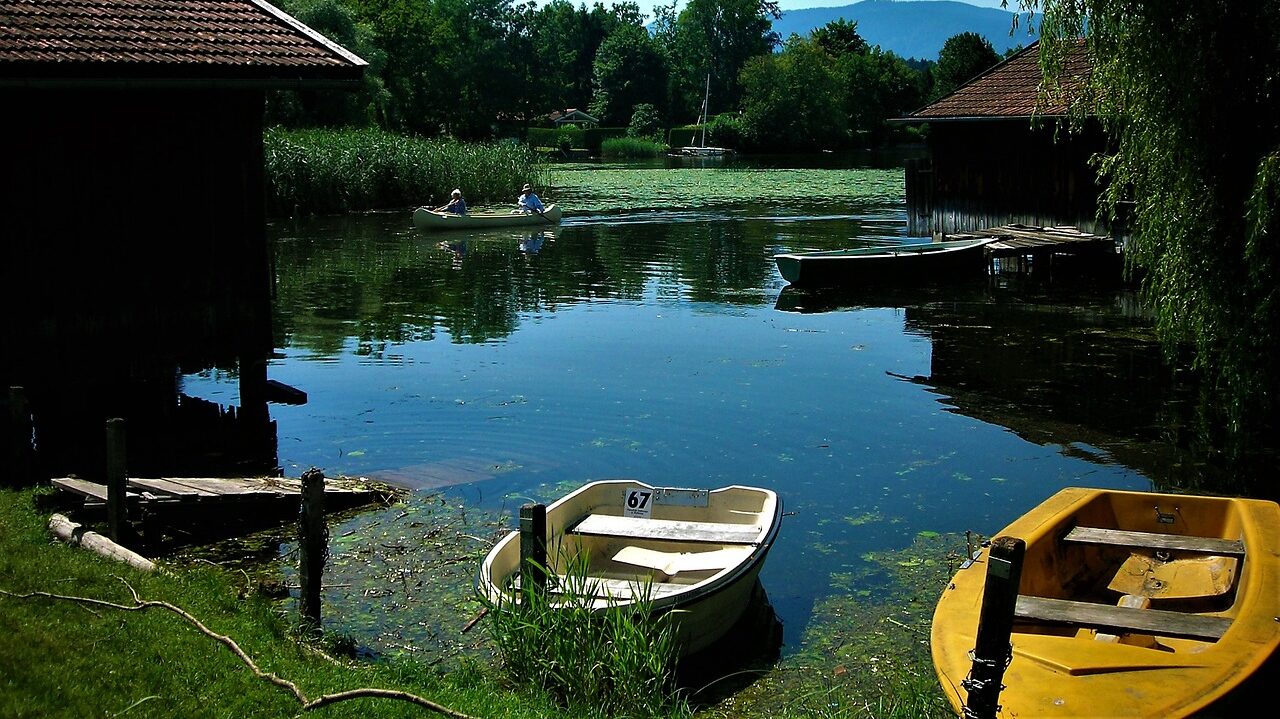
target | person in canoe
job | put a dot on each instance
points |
(528, 201)
(457, 205)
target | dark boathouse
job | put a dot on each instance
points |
(998, 157)
(132, 199)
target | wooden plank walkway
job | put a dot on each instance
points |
(1022, 240)
(164, 492)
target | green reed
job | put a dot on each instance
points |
(617, 661)
(354, 170)
(631, 147)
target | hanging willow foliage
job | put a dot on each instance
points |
(1189, 92)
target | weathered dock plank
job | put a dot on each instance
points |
(213, 489)
(164, 486)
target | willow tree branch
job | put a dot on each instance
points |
(140, 604)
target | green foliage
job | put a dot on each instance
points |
(565, 41)
(619, 660)
(793, 100)
(629, 69)
(840, 37)
(963, 57)
(1188, 93)
(588, 138)
(725, 130)
(645, 122)
(716, 39)
(321, 171)
(878, 85)
(631, 147)
(328, 108)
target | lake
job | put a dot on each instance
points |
(650, 336)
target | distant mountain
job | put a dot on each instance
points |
(912, 29)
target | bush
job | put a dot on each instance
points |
(645, 122)
(585, 138)
(631, 147)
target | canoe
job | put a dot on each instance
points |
(425, 218)
(1130, 604)
(694, 553)
(918, 261)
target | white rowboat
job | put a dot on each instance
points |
(694, 553)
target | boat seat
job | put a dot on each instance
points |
(609, 588)
(673, 563)
(1154, 540)
(1121, 619)
(604, 525)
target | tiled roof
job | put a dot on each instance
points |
(166, 39)
(1009, 90)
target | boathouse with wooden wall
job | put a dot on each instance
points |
(132, 193)
(1000, 154)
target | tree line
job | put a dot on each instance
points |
(486, 69)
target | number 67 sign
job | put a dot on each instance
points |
(638, 503)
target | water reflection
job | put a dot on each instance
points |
(674, 353)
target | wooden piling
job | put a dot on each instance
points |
(117, 480)
(21, 450)
(313, 549)
(533, 548)
(992, 649)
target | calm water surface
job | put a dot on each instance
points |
(650, 336)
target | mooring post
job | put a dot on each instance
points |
(992, 649)
(21, 451)
(533, 548)
(117, 481)
(313, 549)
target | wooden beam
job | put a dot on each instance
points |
(1154, 540)
(666, 529)
(1121, 619)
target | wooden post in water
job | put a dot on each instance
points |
(21, 452)
(117, 482)
(992, 650)
(313, 549)
(533, 548)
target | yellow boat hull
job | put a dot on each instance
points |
(1070, 668)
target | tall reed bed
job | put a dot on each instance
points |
(631, 147)
(619, 661)
(352, 170)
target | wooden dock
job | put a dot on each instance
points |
(1025, 243)
(260, 493)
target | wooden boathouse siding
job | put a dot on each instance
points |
(999, 154)
(132, 192)
(986, 174)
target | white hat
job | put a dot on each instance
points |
(456, 193)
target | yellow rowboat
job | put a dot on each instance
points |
(425, 218)
(694, 553)
(1129, 604)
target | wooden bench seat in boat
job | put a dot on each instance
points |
(1153, 540)
(605, 525)
(606, 588)
(1121, 619)
(673, 563)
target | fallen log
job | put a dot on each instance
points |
(72, 533)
